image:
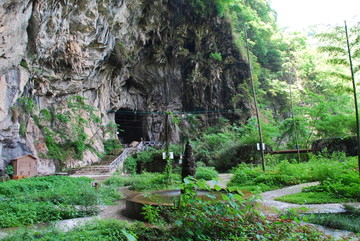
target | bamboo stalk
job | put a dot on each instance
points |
(355, 94)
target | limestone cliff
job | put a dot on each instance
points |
(133, 55)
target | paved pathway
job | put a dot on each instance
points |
(270, 206)
(268, 201)
(224, 179)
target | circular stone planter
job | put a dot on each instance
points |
(166, 198)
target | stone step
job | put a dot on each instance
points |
(96, 169)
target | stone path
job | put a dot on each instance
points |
(224, 179)
(268, 201)
(271, 207)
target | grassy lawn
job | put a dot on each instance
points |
(312, 198)
(43, 199)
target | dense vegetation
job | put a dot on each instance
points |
(338, 179)
(348, 220)
(304, 90)
(42, 199)
(190, 219)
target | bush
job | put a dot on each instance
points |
(144, 161)
(112, 145)
(142, 182)
(206, 173)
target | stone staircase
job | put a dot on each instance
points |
(93, 170)
(100, 168)
(109, 163)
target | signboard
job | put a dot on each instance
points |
(171, 155)
(258, 146)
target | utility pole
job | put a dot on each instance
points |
(167, 135)
(255, 103)
(294, 123)
(355, 95)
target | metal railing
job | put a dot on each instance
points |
(153, 143)
(119, 161)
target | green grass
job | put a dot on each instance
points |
(206, 173)
(343, 221)
(337, 175)
(311, 198)
(193, 219)
(143, 182)
(348, 220)
(42, 199)
(93, 231)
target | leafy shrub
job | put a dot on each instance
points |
(94, 230)
(145, 157)
(111, 145)
(342, 186)
(196, 219)
(206, 173)
(141, 182)
(216, 56)
(150, 181)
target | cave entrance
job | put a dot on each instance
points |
(130, 124)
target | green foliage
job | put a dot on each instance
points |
(146, 160)
(312, 198)
(130, 164)
(22, 129)
(24, 64)
(190, 219)
(206, 173)
(94, 230)
(343, 185)
(142, 182)
(219, 145)
(196, 219)
(337, 172)
(148, 156)
(28, 104)
(333, 42)
(216, 56)
(202, 7)
(9, 170)
(345, 221)
(64, 128)
(43, 199)
(112, 145)
(45, 114)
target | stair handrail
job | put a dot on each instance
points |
(114, 164)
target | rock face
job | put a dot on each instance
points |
(347, 145)
(149, 56)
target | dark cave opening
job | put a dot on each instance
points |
(130, 125)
